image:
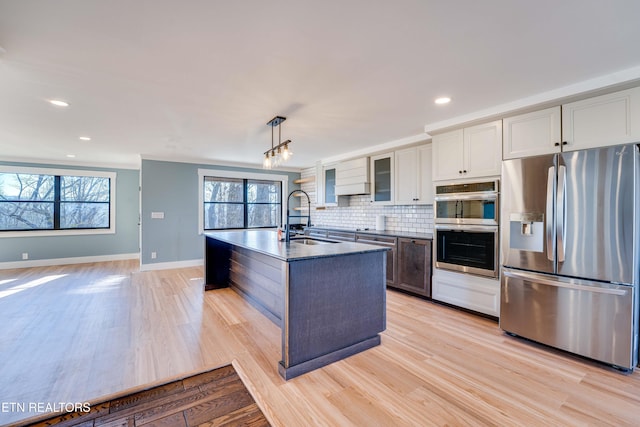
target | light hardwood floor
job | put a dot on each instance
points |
(85, 332)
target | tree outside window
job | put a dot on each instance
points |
(53, 202)
(241, 203)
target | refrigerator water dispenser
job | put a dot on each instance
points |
(526, 231)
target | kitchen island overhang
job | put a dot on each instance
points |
(328, 299)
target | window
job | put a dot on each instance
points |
(223, 203)
(241, 203)
(26, 202)
(84, 202)
(40, 200)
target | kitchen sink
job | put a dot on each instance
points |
(307, 241)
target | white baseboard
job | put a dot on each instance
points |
(171, 265)
(65, 261)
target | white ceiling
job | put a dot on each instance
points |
(198, 80)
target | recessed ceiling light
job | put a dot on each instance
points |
(71, 156)
(443, 100)
(59, 103)
(85, 138)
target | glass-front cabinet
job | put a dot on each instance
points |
(330, 185)
(382, 178)
(326, 186)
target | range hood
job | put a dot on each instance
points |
(353, 189)
(352, 177)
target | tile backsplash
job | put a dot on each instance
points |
(361, 213)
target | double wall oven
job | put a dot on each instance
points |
(466, 227)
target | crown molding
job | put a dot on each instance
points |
(80, 164)
(620, 80)
(217, 163)
(376, 149)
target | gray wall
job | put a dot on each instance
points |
(172, 188)
(124, 241)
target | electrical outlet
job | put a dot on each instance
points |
(154, 255)
(25, 255)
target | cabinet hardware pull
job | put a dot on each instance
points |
(557, 144)
(565, 143)
(459, 171)
(464, 171)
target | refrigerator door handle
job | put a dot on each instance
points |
(542, 280)
(561, 209)
(551, 246)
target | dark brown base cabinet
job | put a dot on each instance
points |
(408, 261)
(414, 266)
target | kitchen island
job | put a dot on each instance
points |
(328, 298)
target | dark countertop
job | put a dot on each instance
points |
(407, 234)
(266, 242)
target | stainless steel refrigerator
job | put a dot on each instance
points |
(569, 240)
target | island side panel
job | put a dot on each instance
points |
(260, 278)
(336, 307)
(217, 261)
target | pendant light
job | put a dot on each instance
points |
(280, 153)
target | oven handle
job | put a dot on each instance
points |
(480, 196)
(449, 227)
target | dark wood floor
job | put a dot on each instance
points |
(214, 398)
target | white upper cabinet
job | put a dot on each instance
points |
(319, 185)
(471, 152)
(483, 149)
(532, 134)
(601, 121)
(425, 175)
(414, 184)
(326, 186)
(595, 122)
(448, 155)
(382, 179)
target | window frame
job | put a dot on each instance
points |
(202, 173)
(66, 172)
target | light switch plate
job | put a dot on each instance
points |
(157, 215)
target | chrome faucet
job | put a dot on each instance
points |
(287, 231)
